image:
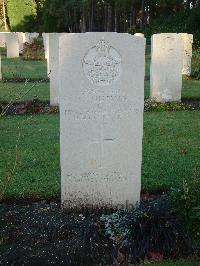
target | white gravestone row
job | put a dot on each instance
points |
(14, 42)
(101, 118)
(166, 77)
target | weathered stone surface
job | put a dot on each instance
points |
(166, 67)
(101, 118)
(12, 44)
(53, 67)
(46, 45)
(187, 53)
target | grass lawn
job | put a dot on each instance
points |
(170, 152)
(191, 90)
(11, 91)
(15, 68)
(170, 149)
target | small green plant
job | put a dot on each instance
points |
(186, 201)
(151, 229)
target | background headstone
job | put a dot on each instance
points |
(21, 42)
(12, 45)
(29, 36)
(46, 45)
(53, 67)
(101, 118)
(26, 37)
(187, 52)
(166, 67)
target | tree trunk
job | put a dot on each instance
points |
(83, 23)
(151, 12)
(116, 26)
(109, 18)
(133, 14)
(142, 14)
(91, 26)
(4, 16)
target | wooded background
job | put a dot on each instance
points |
(147, 16)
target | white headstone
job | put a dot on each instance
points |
(166, 67)
(139, 35)
(21, 41)
(26, 37)
(101, 118)
(46, 45)
(53, 67)
(187, 53)
(12, 45)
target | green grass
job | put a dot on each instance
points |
(191, 89)
(17, 68)
(170, 152)
(11, 91)
(37, 173)
(170, 149)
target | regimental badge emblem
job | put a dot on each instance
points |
(102, 64)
